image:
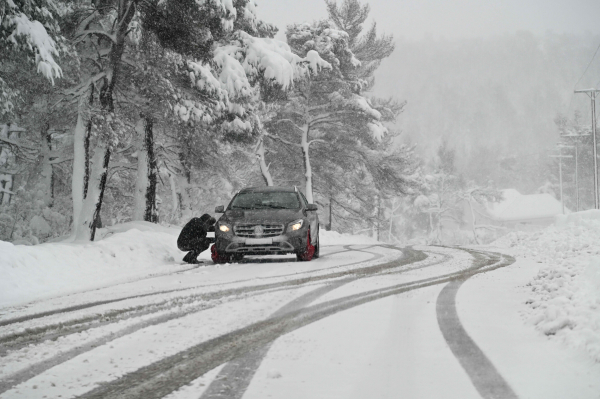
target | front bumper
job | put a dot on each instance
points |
(288, 242)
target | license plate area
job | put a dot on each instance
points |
(259, 241)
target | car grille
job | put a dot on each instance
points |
(250, 230)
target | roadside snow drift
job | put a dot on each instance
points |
(565, 294)
(122, 253)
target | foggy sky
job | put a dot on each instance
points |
(476, 72)
(416, 19)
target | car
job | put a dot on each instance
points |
(266, 221)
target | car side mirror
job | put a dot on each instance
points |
(220, 209)
(312, 207)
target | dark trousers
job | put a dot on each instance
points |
(191, 256)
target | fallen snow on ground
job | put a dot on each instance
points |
(125, 252)
(565, 294)
(121, 253)
(491, 307)
(335, 238)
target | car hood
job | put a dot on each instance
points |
(262, 216)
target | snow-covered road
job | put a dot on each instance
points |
(361, 321)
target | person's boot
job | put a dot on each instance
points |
(191, 256)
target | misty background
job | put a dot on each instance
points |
(490, 78)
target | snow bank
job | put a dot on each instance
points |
(565, 295)
(583, 218)
(122, 253)
(335, 238)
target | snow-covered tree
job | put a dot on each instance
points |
(477, 198)
(445, 198)
(326, 104)
(30, 27)
(214, 57)
(368, 47)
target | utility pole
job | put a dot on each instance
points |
(576, 136)
(560, 156)
(592, 95)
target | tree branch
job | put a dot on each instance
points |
(81, 34)
(282, 140)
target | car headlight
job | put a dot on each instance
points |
(296, 225)
(224, 228)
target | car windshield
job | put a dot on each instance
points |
(266, 200)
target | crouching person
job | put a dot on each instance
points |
(193, 237)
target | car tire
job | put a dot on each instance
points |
(307, 253)
(218, 258)
(317, 247)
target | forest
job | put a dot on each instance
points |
(159, 110)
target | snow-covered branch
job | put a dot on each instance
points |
(60, 160)
(35, 35)
(282, 140)
(81, 35)
(17, 144)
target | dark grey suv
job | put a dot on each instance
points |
(266, 220)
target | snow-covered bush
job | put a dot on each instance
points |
(27, 219)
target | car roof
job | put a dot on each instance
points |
(265, 189)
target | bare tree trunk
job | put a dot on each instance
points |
(92, 205)
(473, 226)
(47, 171)
(174, 197)
(183, 184)
(329, 225)
(307, 168)
(145, 191)
(391, 219)
(90, 216)
(264, 168)
(81, 158)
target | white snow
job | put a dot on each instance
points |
(122, 253)
(374, 350)
(38, 41)
(516, 206)
(494, 312)
(385, 349)
(274, 58)
(243, 58)
(377, 130)
(564, 299)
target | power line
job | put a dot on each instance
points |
(588, 66)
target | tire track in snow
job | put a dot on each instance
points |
(169, 374)
(59, 329)
(484, 376)
(77, 307)
(235, 377)
(7, 382)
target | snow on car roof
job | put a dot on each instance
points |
(267, 189)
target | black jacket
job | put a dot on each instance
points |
(193, 234)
